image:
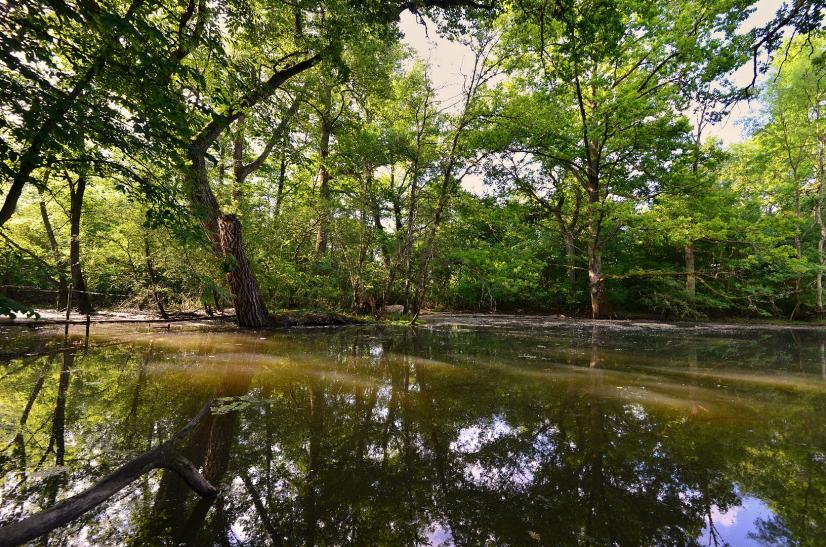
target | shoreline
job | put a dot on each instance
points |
(308, 318)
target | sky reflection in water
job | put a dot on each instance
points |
(460, 433)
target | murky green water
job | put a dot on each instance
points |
(472, 434)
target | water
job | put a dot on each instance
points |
(462, 432)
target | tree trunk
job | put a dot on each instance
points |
(323, 233)
(690, 277)
(407, 251)
(570, 263)
(821, 174)
(447, 189)
(202, 200)
(798, 288)
(58, 260)
(153, 283)
(279, 193)
(249, 306)
(79, 294)
(358, 301)
(595, 279)
(224, 234)
(597, 284)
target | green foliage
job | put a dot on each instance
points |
(11, 308)
(585, 121)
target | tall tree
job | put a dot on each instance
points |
(603, 82)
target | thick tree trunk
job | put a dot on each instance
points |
(224, 233)
(79, 294)
(690, 277)
(596, 282)
(249, 306)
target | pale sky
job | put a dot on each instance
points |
(446, 60)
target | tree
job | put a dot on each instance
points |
(597, 88)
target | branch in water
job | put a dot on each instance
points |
(163, 456)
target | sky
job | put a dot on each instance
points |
(447, 59)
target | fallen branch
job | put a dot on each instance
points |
(163, 456)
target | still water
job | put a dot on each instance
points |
(464, 431)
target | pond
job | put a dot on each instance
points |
(463, 431)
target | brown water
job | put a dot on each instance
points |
(461, 432)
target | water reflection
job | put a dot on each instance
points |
(433, 436)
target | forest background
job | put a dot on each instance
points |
(263, 155)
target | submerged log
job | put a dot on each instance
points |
(164, 456)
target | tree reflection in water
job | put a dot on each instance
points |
(455, 436)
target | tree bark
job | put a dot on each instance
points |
(224, 234)
(249, 306)
(595, 280)
(79, 294)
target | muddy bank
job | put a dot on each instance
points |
(561, 322)
(283, 319)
